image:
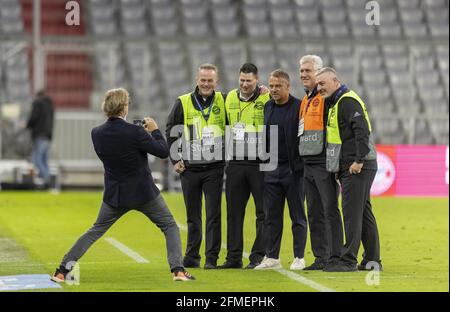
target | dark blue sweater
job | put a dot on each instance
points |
(290, 129)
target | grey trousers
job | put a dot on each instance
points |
(156, 210)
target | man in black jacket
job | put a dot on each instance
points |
(321, 187)
(123, 147)
(286, 181)
(200, 118)
(351, 154)
(40, 123)
(245, 112)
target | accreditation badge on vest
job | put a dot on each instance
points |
(301, 127)
(208, 136)
(239, 131)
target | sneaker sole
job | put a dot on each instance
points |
(56, 280)
(181, 280)
(271, 268)
(297, 269)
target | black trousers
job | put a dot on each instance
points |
(194, 185)
(281, 185)
(243, 180)
(324, 216)
(359, 221)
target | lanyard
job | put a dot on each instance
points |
(201, 109)
(313, 94)
(242, 109)
(307, 106)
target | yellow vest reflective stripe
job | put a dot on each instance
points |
(334, 142)
(249, 113)
(194, 126)
(193, 118)
(312, 112)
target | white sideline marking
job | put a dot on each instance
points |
(294, 276)
(304, 280)
(129, 252)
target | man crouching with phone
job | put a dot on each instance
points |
(123, 147)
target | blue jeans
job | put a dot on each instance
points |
(41, 148)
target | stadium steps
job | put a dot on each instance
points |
(68, 76)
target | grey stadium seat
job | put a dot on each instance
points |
(440, 130)
(423, 134)
(389, 131)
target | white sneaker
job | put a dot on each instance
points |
(298, 264)
(269, 264)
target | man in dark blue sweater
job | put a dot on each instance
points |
(286, 181)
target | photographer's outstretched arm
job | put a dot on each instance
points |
(174, 131)
(151, 139)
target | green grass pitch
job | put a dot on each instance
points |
(37, 229)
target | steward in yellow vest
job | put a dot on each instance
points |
(246, 120)
(336, 158)
(204, 129)
(245, 114)
(352, 155)
(200, 118)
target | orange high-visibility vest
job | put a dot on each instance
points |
(312, 112)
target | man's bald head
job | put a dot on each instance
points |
(327, 81)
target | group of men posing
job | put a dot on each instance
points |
(321, 142)
(309, 147)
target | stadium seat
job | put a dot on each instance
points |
(423, 134)
(402, 71)
(307, 15)
(405, 4)
(440, 130)
(264, 57)
(200, 54)
(233, 55)
(309, 31)
(389, 131)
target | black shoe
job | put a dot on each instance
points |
(370, 266)
(341, 267)
(252, 265)
(230, 265)
(210, 266)
(315, 266)
(330, 264)
(188, 263)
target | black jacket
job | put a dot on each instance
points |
(123, 148)
(353, 129)
(41, 119)
(176, 117)
(291, 130)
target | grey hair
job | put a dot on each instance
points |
(208, 66)
(279, 73)
(326, 70)
(314, 59)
